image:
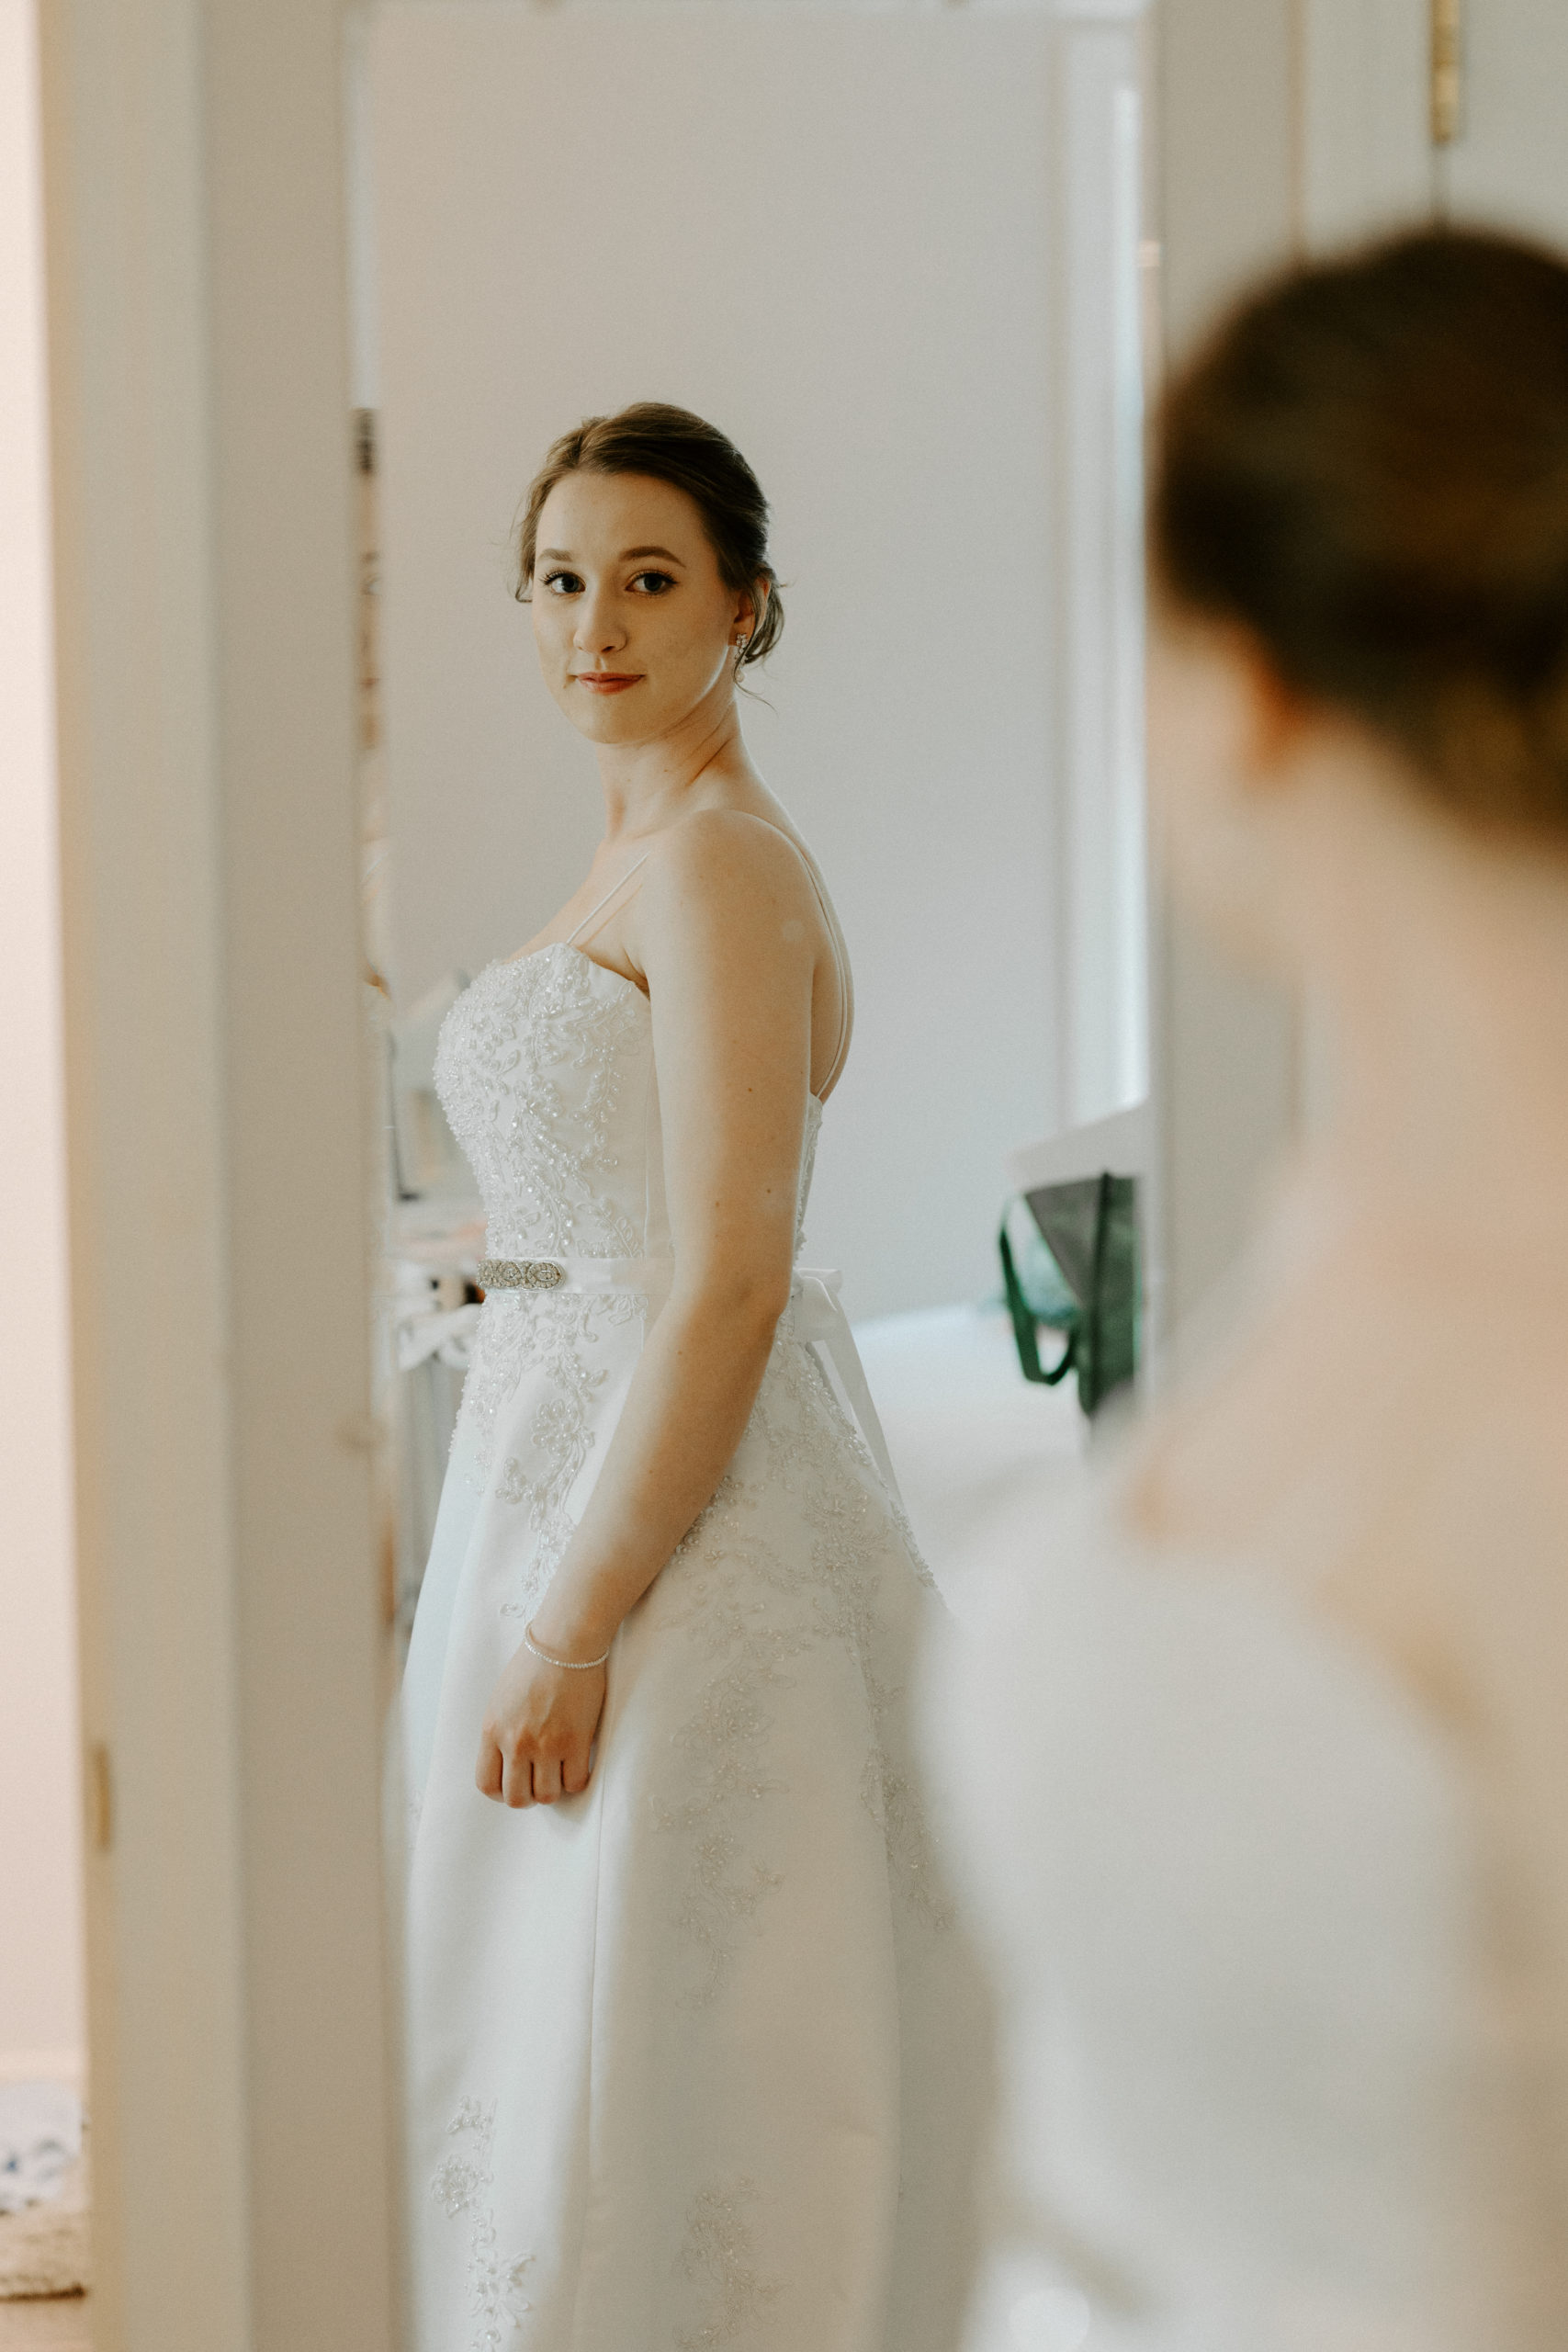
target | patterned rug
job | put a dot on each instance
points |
(45, 2251)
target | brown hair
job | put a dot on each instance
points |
(1367, 466)
(671, 444)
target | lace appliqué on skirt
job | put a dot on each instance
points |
(553, 1333)
(720, 2257)
(552, 1339)
(757, 1605)
(461, 2186)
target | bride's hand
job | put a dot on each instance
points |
(538, 1731)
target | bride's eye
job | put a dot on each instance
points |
(653, 583)
(564, 583)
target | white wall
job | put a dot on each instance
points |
(831, 234)
(40, 1850)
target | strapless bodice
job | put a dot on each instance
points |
(545, 1069)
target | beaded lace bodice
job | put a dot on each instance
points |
(545, 1070)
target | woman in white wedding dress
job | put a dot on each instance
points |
(691, 2036)
(1278, 1903)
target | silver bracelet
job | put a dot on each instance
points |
(573, 1665)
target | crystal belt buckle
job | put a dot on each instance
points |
(521, 1274)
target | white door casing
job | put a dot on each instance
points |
(242, 2062)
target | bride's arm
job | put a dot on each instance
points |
(727, 933)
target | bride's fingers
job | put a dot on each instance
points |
(487, 1771)
(519, 1789)
(546, 1779)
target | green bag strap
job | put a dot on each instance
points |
(1090, 1388)
(1025, 1328)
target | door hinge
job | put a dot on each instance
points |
(100, 1798)
(1448, 72)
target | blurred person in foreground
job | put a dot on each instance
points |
(1277, 1894)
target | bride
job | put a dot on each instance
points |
(688, 2013)
(1278, 1903)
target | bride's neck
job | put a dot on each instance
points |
(1443, 959)
(648, 785)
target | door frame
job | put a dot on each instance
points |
(235, 1653)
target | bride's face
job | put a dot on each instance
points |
(636, 629)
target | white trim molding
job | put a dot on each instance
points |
(235, 1659)
(1122, 1145)
(67, 2066)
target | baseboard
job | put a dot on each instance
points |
(45, 2066)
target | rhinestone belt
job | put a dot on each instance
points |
(817, 1315)
(520, 1273)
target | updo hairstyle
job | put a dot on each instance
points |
(1367, 466)
(671, 444)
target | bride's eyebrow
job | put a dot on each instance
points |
(628, 555)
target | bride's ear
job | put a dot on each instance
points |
(1275, 719)
(1227, 740)
(749, 608)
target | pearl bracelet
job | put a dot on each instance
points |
(573, 1665)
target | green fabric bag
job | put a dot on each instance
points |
(1090, 1231)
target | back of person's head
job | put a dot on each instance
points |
(1366, 467)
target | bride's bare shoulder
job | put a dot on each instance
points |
(1393, 1446)
(730, 864)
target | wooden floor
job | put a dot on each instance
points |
(48, 2323)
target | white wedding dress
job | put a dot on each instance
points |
(692, 2054)
(1277, 1938)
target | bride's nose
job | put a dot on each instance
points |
(599, 629)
